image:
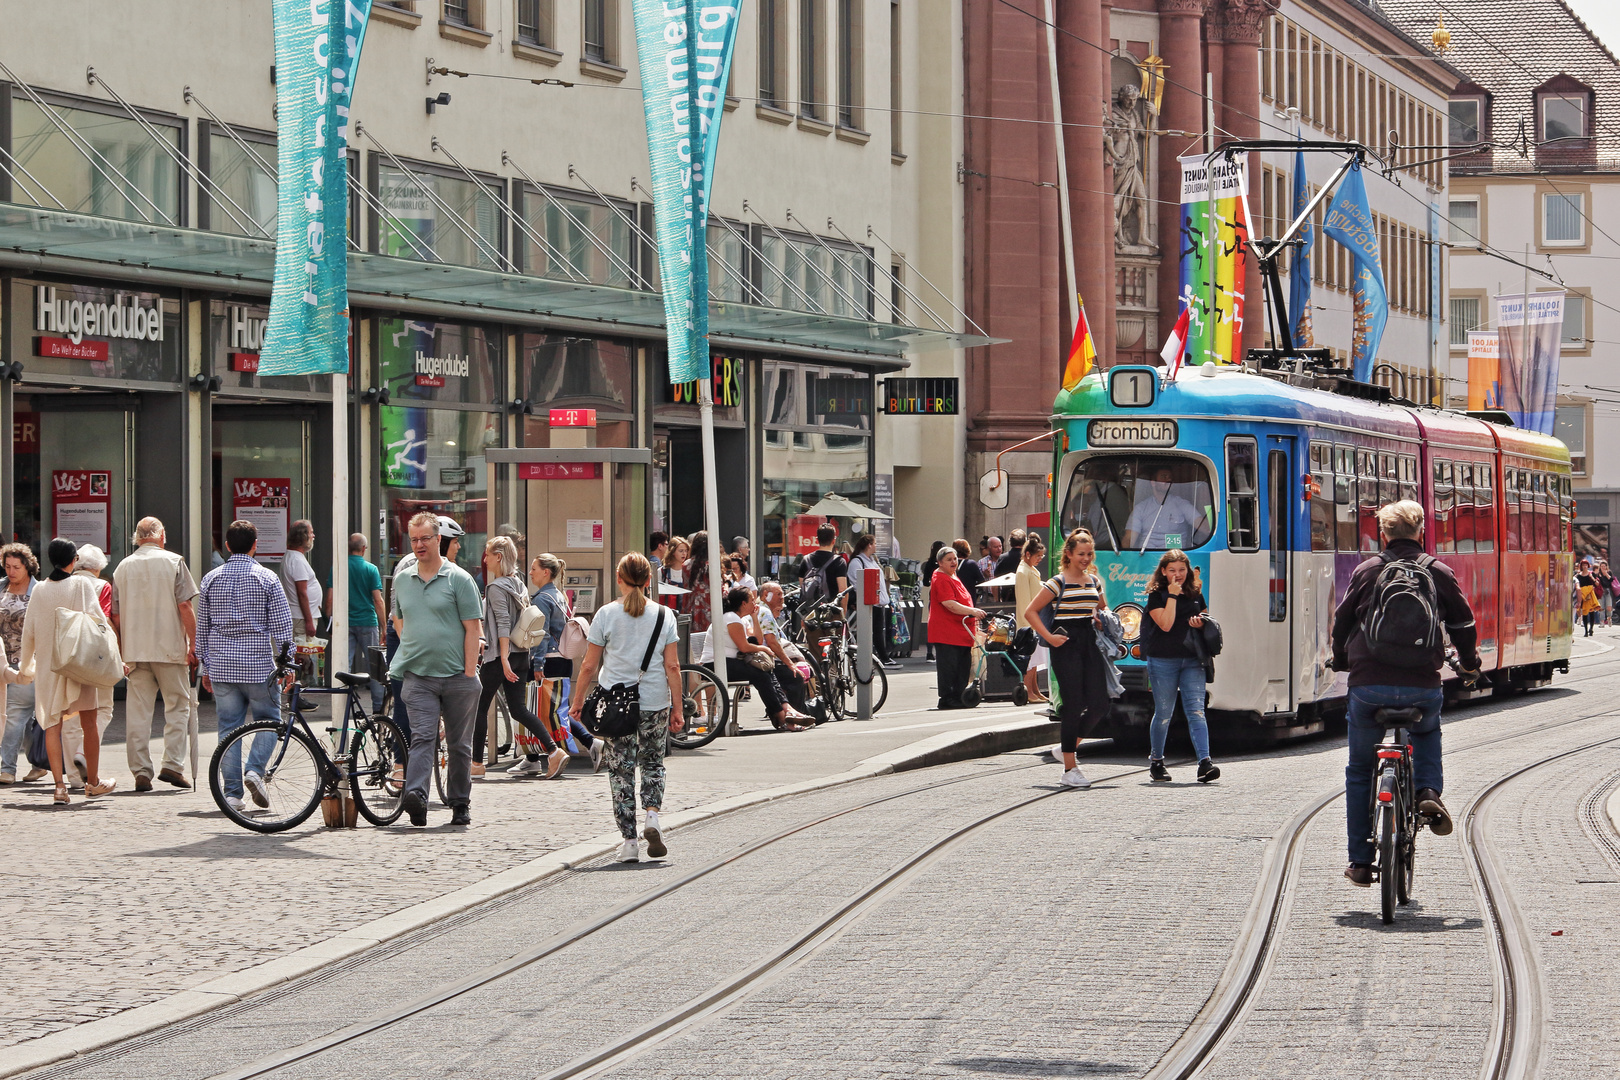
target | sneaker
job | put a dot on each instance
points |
(598, 755)
(416, 808)
(630, 852)
(237, 805)
(1207, 771)
(82, 768)
(555, 763)
(461, 815)
(1360, 875)
(527, 768)
(1075, 778)
(654, 838)
(1430, 806)
(255, 787)
(35, 774)
(1157, 771)
(478, 768)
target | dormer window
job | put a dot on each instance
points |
(1465, 121)
(1563, 116)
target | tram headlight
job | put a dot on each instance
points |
(1130, 618)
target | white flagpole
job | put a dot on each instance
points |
(1062, 167)
(711, 517)
(337, 645)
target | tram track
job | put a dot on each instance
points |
(1515, 1042)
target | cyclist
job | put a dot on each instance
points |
(1377, 683)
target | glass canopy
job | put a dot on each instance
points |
(215, 260)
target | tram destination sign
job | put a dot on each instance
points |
(1132, 432)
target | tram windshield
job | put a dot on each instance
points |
(1141, 502)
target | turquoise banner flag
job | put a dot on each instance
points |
(1351, 223)
(317, 51)
(685, 54)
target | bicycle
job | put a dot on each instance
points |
(829, 641)
(1395, 816)
(705, 705)
(368, 760)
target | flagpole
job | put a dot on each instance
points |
(1062, 168)
(337, 653)
(711, 517)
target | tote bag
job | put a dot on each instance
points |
(87, 649)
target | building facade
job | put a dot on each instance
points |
(1147, 82)
(1541, 101)
(500, 267)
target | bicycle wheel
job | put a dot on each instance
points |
(379, 750)
(294, 775)
(440, 756)
(1408, 849)
(837, 687)
(880, 687)
(1389, 861)
(704, 708)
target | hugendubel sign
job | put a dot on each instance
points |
(126, 316)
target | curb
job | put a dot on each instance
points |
(184, 1004)
(1613, 809)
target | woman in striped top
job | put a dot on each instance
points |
(1077, 594)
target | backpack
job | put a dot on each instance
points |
(816, 588)
(571, 642)
(530, 628)
(1402, 620)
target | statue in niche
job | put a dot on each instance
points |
(1125, 142)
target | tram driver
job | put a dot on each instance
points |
(1161, 518)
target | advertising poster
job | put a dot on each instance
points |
(1213, 229)
(404, 445)
(584, 533)
(1529, 358)
(267, 503)
(883, 500)
(82, 502)
(1484, 372)
(801, 534)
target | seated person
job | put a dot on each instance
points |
(1161, 518)
(733, 633)
(768, 621)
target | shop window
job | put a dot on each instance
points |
(1484, 509)
(1445, 535)
(1344, 498)
(458, 221)
(94, 332)
(559, 371)
(133, 178)
(235, 338)
(433, 460)
(1321, 497)
(581, 233)
(54, 444)
(1242, 495)
(444, 362)
(817, 424)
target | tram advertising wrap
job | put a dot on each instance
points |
(1272, 490)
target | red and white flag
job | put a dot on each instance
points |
(1176, 346)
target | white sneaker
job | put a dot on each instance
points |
(654, 838)
(630, 852)
(1075, 778)
(598, 751)
(527, 768)
(555, 763)
(255, 787)
(238, 805)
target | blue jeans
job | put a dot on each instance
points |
(1168, 675)
(234, 700)
(1366, 734)
(362, 638)
(19, 707)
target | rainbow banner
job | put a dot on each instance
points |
(1213, 231)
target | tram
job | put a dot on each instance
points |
(1271, 483)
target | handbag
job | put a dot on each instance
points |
(87, 649)
(1211, 634)
(615, 711)
(34, 744)
(763, 661)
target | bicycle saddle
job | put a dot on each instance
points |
(350, 678)
(1389, 714)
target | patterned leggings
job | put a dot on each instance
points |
(643, 747)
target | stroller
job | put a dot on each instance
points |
(1001, 655)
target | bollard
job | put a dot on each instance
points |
(863, 642)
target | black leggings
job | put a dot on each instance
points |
(770, 691)
(1082, 683)
(494, 680)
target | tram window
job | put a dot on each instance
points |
(1277, 514)
(1367, 500)
(1321, 497)
(1537, 540)
(1408, 470)
(1141, 501)
(1242, 495)
(1484, 509)
(1388, 480)
(1445, 536)
(1463, 526)
(1515, 515)
(1344, 497)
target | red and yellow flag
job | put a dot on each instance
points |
(1081, 352)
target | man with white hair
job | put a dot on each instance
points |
(152, 610)
(1387, 635)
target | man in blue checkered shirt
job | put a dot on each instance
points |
(243, 624)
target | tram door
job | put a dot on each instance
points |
(1280, 511)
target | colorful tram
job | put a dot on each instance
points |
(1272, 489)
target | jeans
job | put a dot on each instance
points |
(234, 700)
(1169, 674)
(362, 638)
(1366, 734)
(19, 707)
(456, 698)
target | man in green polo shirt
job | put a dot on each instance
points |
(437, 614)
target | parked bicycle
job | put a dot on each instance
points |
(827, 637)
(366, 763)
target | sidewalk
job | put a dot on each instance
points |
(143, 900)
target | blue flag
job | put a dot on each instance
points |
(685, 54)
(1351, 223)
(317, 51)
(1299, 274)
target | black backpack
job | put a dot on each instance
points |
(1402, 623)
(816, 588)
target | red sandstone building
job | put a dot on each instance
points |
(1335, 69)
